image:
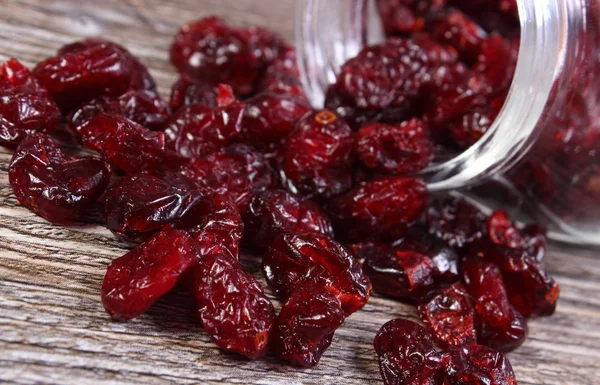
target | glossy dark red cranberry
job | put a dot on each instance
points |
(141, 204)
(294, 260)
(273, 212)
(232, 306)
(395, 149)
(458, 30)
(136, 280)
(381, 208)
(407, 355)
(304, 328)
(317, 158)
(470, 127)
(450, 316)
(52, 184)
(477, 365)
(456, 221)
(123, 143)
(266, 45)
(530, 239)
(210, 51)
(25, 106)
(189, 91)
(397, 17)
(497, 62)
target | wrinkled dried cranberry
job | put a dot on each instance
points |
(25, 107)
(497, 62)
(282, 76)
(381, 208)
(210, 51)
(317, 159)
(232, 306)
(304, 328)
(407, 355)
(469, 128)
(189, 91)
(531, 239)
(136, 280)
(144, 107)
(123, 143)
(294, 260)
(502, 327)
(274, 212)
(197, 130)
(141, 204)
(396, 149)
(458, 30)
(456, 221)
(266, 45)
(53, 185)
(450, 316)
(397, 17)
(477, 365)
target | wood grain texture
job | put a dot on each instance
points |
(53, 329)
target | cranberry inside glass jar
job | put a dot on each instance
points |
(541, 154)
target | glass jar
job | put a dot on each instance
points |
(543, 148)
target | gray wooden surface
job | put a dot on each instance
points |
(53, 329)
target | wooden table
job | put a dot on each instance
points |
(53, 329)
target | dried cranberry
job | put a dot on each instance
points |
(457, 29)
(407, 355)
(25, 107)
(456, 221)
(304, 328)
(232, 306)
(317, 159)
(477, 365)
(123, 143)
(294, 260)
(382, 207)
(210, 51)
(470, 127)
(502, 327)
(141, 204)
(53, 185)
(274, 212)
(397, 17)
(189, 91)
(497, 62)
(502, 231)
(136, 280)
(197, 130)
(282, 76)
(396, 149)
(266, 45)
(450, 316)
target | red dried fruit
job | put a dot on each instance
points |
(317, 159)
(477, 365)
(197, 130)
(141, 204)
(469, 128)
(397, 17)
(282, 76)
(208, 50)
(188, 91)
(458, 30)
(294, 260)
(502, 327)
(136, 280)
(396, 149)
(305, 326)
(497, 62)
(381, 208)
(232, 306)
(407, 355)
(123, 143)
(450, 316)
(273, 212)
(266, 45)
(144, 107)
(53, 185)
(456, 221)
(531, 239)
(25, 107)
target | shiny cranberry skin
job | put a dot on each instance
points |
(395, 149)
(232, 306)
(304, 328)
(266, 45)
(144, 107)
(450, 316)
(55, 186)
(294, 260)
(469, 128)
(477, 365)
(273, 212)
(457, 29)
(456, 221)
(142, 204)
(381, 208)
(136, 280)
(25, 107)
(123, 143)
(502, 327)
(189, 91)
(282, 76)
(317, 159)
(208, 50)
(270, 117)
(397, 17)
(407, 355)
(497, 62)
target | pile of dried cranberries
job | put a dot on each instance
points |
(238, 158)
